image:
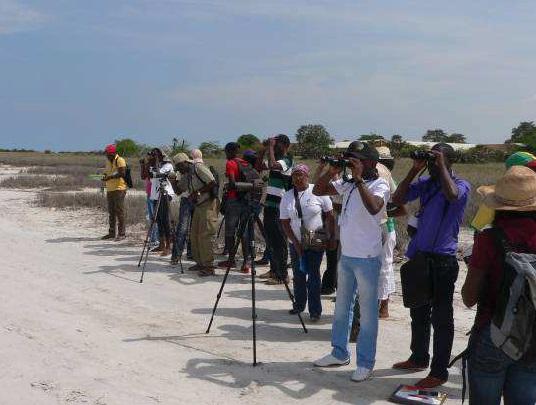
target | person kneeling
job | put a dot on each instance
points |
(301, 215)
(364, 200)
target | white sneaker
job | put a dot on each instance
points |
(330, 361)
(361, 374)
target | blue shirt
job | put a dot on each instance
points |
(439, 219)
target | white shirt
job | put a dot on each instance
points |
(155, 182)
(312, 207)
(361, 234)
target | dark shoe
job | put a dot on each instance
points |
(266, 276)
(410, 365)
(206, 272)
(276, 281)
(225, 264)
(327, 291)
(294, 311)
(109, 236)
(159, 248)
(314, 318)
(262, 262)
(195, 267)
(430, 382)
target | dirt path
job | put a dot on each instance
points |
(78, 328)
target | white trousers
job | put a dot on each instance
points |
(386, 282)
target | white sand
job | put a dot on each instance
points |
(78, 328)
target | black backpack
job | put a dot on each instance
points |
(128, 175)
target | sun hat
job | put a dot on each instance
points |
(300, 168)
(519, 159)
(181, 157)
(514, 191)
(362, 150)
(110, 149)
(385, 153)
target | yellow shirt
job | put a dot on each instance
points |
(111, 168)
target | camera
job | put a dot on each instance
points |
(335, 161)
(422, 155)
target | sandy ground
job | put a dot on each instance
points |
(78, 328)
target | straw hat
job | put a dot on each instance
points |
(181, 157)
(514, 191)
(385, 153)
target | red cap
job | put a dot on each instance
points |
(110, 149)
(532, 165)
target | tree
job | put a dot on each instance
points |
(435, 135)
(525, 133)
(248, 141)
(313, 140)
(456, 138)
(210, 148)
(128, 147)
(370, 137)
(396, 139)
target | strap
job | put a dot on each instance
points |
(298, 205)
(199, 177)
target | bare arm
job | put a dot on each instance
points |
(472, 286)
(259, 163)
(287, 229)
(273, 164)
(447, 183)
(399, 197)
(372, 203)
(323, 185)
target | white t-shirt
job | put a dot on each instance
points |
(361, 234)
(155, 182)
(312, 207)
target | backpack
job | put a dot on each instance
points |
(513, 326)
(214, 191)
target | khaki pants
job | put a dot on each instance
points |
(116, 210)
(204, 227)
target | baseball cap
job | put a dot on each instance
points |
(362, 150)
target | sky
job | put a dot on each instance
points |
(75, 74)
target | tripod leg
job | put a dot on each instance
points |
(180, 262)
(147, 239)
(251, 237)
(155, 216)
(234, 250)
(291, 296)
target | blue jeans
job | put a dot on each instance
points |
(493, 374)
(150, 213)
(357, 275)
(186, 209)
(307, 285)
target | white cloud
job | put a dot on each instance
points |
(17, 17)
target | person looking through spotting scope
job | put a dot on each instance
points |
(116, 190)
(365, 196)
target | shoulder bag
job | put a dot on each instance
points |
(310, 240)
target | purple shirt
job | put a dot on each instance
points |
(436, 235)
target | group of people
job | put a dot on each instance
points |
(346, 210)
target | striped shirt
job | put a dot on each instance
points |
(279, 181)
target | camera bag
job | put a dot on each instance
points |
(311, 240)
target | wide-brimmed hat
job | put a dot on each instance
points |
(181, 157)
(514, 191)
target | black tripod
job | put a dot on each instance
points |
(247, 223)
(145, 251)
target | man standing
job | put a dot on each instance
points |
(116, 189)
(364, 199)
(234, 206)
(199, 182)
(279, 163)
(443, 198)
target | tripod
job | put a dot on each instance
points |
(247, 222)
(145, 251)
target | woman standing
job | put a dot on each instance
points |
(301, 216)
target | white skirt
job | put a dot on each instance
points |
(386, 282)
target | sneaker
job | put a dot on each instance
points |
(410, 365)
(361, 374)
(294, 311)
(224, 264)
(276, 281)
(430, 382)
(266, 275)
(245, 269)
(314, 318)
(331, 361)
(109, 236)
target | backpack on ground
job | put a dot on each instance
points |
(513, 326)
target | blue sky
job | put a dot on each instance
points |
(77, 74)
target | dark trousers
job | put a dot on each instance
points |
(162, 217)
(186, 210)
(277, 242)
(307, 280)
(439, 314)
(116, 211)
(329, 279)
(234, 213)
